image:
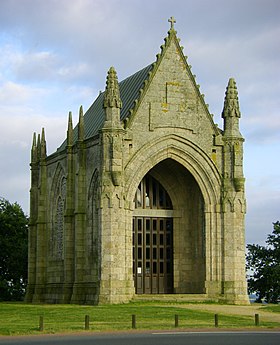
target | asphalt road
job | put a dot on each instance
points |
(165, 338)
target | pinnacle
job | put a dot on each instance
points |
(43, 145)
(231, 104)
(81, 111)
(70, 123)
(34, 149)
(112, 97)
(43, 135)
(34, 140)
(70, 130)
(81, 126)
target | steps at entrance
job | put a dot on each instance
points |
(175, 298)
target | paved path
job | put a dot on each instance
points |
(250, 310)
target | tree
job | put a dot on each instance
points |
(13, 251)
(264, 263)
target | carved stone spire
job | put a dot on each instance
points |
(43, 145)
(38, 146)
(34, 150)
(231, 113)
(231, 104)
(70, 130)
(81, 126)
(112, 97)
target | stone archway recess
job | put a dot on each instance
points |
(193, 183)
(176, 254)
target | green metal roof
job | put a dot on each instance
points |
(95, 116)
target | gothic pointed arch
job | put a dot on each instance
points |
(182, 151)
(57, 207)
(169, 208)
(193, 182)
(93, 231)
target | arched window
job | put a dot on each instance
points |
(58, 234)
(151, 195)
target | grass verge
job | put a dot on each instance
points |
(273, 308)
(23, 319)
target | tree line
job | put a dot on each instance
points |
(13, 251)
(263, 265)
(262, 262)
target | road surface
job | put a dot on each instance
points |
(156, 338)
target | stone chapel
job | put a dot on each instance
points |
(144, 197)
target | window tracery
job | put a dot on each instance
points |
(58, 235)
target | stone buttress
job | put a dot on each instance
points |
(115, 285)
(233, 200)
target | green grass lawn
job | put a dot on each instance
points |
(21, 318)
(273, 308)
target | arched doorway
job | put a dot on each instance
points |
(152, 238)
(169, 201)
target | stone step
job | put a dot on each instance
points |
(175, 298)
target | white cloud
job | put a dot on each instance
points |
(44, 66)
(41, 66)
(15, 94)
(36, 66)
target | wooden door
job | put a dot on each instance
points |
(153, 255)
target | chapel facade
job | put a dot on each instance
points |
(144, 197)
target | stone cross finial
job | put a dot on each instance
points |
(172, 20)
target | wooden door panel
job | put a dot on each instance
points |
(153, 255)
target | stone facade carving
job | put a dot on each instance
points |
(153, 126)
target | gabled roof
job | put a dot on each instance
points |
(132, 91)
(95, 116)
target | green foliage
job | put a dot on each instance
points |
(13, 251)
(264, 263)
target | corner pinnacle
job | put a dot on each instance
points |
(112, 97)
(231, 103)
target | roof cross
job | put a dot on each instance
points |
(172, 20)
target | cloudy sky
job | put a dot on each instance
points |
(54, 56)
